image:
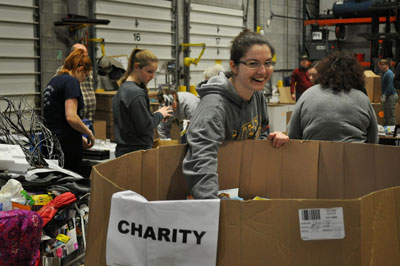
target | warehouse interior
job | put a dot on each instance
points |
(73, 214)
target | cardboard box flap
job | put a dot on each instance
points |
(269, 231)
(351, 170)
(229, 164)
(288, 172)
(150, 174)
(330, 170)
(387, 166)
(359, 169)
(172, 184)
(126, 171)
(102, 189)
(229, 245)
(380, 215)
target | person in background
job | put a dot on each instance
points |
(184, 105)
(312, 72)
(210, 72)
(213, 71)
(230, 110)
(389, 94)
(336, 109)
(62, 103)
(87, 89)
(133, 121)
(300, 81)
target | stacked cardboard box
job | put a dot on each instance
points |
(104, 111)
(296, 176)
(373, 86)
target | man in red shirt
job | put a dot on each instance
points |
(300, 81)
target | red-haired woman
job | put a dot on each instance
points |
(62, 102)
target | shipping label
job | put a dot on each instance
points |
(321, 223)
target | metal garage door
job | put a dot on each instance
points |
(19, 50)
(216, 27)
(137, 23)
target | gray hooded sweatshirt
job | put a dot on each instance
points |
(222, 115)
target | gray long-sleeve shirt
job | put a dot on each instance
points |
(184, 111)
(133, 120)
(322, 114)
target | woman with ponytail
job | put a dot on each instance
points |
(133, 121)
(62, 102)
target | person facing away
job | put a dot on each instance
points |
(389, 94)
(337, 108)
(300, 81)
(133, 120)
(62, 103)
(87, 89)
(183, 104)
(230, 109)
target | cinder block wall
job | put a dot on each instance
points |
(55, 40)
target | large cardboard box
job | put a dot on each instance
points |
(285, 96)
(296, 176)
(373, 86)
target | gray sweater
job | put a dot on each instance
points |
(184, 111)
(222, 115)
(322, 114)
(133, 120)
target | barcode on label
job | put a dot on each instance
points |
(311, 214)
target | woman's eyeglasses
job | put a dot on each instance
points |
(253, 64)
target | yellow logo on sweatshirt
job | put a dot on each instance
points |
(249, 130)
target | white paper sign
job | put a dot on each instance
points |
(319, 224)
(162, 233)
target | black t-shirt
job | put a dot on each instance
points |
(60, 89)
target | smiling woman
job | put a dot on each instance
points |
(230, 109)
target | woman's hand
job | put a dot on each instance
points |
(278, 139)
(166, 111)
(85, 144)
(90, 139)
(88, 142)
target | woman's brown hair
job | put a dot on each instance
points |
(143, 57)
(340, 71)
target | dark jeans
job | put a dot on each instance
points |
(72, 155)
